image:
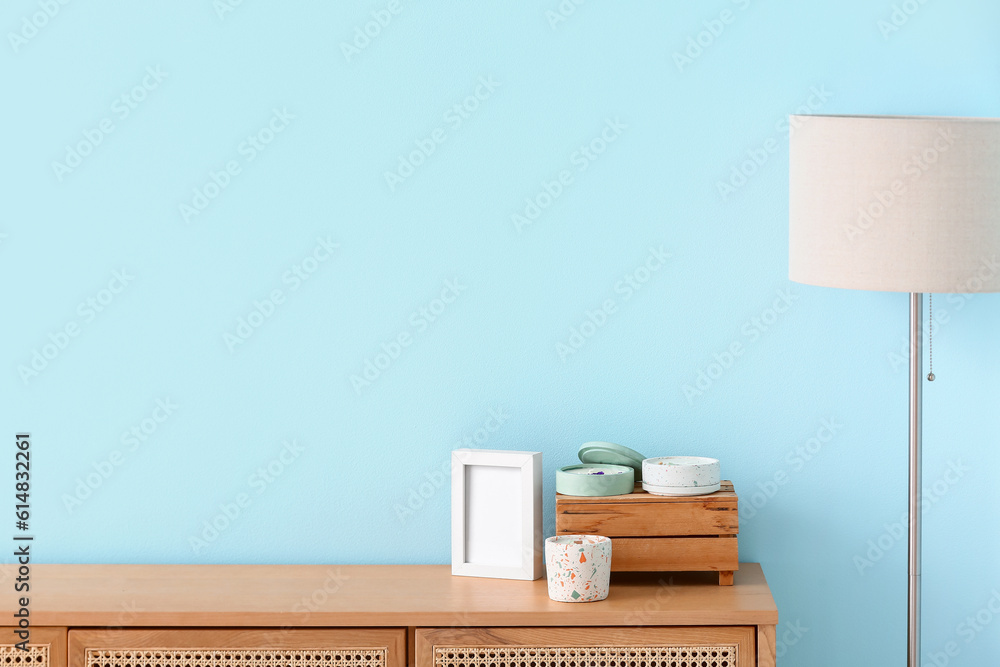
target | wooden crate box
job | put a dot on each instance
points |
(652, 533)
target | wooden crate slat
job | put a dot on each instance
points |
(647, 519)
(725, 494)
(674, 554)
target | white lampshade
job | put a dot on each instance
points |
(895, 203)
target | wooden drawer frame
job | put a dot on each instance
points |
(743, 637)
(393, 640)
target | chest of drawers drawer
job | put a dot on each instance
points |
(339, 647)
(730, 646)
(47, 648)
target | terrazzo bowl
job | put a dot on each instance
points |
(578, 567)
(684, 471)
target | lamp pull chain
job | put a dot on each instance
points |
(930, 336)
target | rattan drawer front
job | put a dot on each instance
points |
(238, 648)
(209, 657)
(586, 647)
(46, 648)
(609, 656)
(37, 655)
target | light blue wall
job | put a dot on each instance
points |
(368, 454)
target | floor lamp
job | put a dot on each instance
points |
(899, 204)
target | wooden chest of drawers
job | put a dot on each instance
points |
(384, 616)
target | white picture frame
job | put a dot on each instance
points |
(496, 514)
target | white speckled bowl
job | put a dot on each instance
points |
(685, 471)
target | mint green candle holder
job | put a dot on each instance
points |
(595, 479)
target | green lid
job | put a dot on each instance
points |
(609, 452)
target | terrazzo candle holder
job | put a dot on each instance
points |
(578, 567)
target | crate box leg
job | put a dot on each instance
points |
(726, 578)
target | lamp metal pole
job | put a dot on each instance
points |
(913, 561)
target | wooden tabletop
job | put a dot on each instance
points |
(373, 596)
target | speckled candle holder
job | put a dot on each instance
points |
(578, 567)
